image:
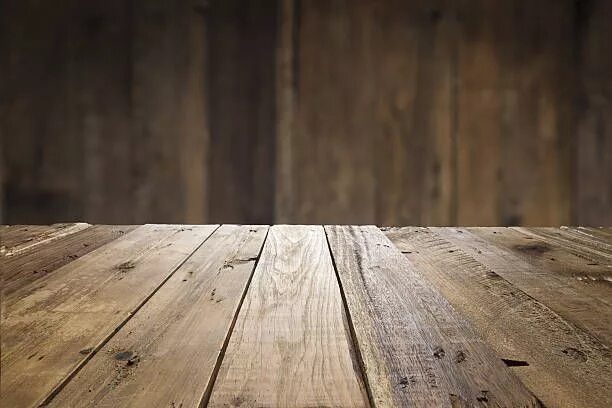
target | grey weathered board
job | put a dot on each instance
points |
(231, 315)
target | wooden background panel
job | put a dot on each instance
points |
(241, 80)
(594, 114)
(372, 138)
(388, 112)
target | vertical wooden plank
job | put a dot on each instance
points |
(49, 334)
(241, 83)
(515, 123)
(290, 345)
(170, 143)
(285, 109)
(593, 190)
(416, 349)
(166, 355)
(562, 364)
(42, 145)
(100, 109)
(373, 112)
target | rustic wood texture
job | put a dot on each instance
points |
(439, 112)
(415, 348)
(49, 333)
(167, 353)
(562, 364)
(290, 345)
(24, 269)
(192, 316)
(21, 239)
(571, 286)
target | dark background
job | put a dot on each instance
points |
(472, 112)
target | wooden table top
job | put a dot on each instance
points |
(305, 316)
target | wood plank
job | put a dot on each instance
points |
(13, 235)
(21, 271)
(548, 273)
(49, 334)
(564, 365)
(593, 114)
(166, 355)
(512, 56)
(373, 111)
(416, 349)
(170, 129)
(591, 251)
(241, 44)
(24, 238)
(290, 345)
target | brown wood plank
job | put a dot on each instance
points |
(19, 239)
(241, 45)
(372, 112)
(167, 353)
(23, 270)
(416, 349)
(591, 251)
(48, 334)
(593, 114)
(565, 366)
(512, 58)
(170, 120)
(13, 235)
(569, 285)
(290, 345)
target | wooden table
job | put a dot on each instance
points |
(305, 316)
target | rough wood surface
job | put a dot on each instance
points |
(19, 239)
(167, 353)
(290, 345)
(416, 349)
(573, 287)
(49, 333)
(24, 269)
(562, 364)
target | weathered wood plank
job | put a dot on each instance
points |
(167, 353)
(49, 334)
(564, 365)
(290, 345)
(13, 235)
(569, 285)
(416, 349)
(19, 239)
(22, 270)
(591, 251)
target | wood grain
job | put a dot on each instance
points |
(290, 345)
(24, 269)
(592, 251)
(416, 349)
(25, 238)
(49, 334)
(562, 364)
(571, 286)
(167, 353)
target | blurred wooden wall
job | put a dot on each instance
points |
(472, 112)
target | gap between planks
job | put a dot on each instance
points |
(101, 344)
